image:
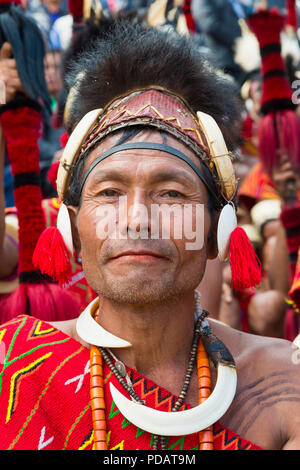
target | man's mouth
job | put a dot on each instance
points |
(138, 255)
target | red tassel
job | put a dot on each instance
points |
(244, 263)
(51, 256)
(52, 173)
(279, 130)
(268, 142)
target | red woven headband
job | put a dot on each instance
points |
(154, 108)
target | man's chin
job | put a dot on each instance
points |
(143, 291)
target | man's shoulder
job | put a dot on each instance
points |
(259, 358)
(266, 352)
(275, 353)
(267, 402)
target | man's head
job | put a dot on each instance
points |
(148, 260)
(175, 171)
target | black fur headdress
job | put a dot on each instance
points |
(132, 56)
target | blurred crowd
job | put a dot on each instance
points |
(269, 205)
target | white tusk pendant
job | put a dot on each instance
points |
(91, 332)
(185, 422)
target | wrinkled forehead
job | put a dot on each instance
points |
(143, 166)
(149, 157)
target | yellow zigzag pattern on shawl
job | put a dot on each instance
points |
(42, 394)
(38, 332)
(119, 446)
(2, 333)
(15, 383)
(8, 362)
(89, 441)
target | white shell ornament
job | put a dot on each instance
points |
(72, 151)
(181, 423)
(93, 333)
(63, 224)
(227, 223)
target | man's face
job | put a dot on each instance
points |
(122, 258)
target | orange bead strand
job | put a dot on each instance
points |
(97, 397)
(206, 437)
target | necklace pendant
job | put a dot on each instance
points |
(121, 368)
(129, 383)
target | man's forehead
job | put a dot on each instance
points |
(149, 157)
(140, 169)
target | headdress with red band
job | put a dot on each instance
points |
(160, 109)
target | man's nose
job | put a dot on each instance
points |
(137, 209)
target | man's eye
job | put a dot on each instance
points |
(108, 193)
(173, 193)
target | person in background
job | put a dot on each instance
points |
(218, 22)
(49, 142)
(45, 14)
(53, 74)
(61, 32)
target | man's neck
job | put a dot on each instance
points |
(161, 335)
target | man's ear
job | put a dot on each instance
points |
(212, 244)
(73, 211)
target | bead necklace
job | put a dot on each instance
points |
(119, 370)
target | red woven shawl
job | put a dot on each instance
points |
(45, 403)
